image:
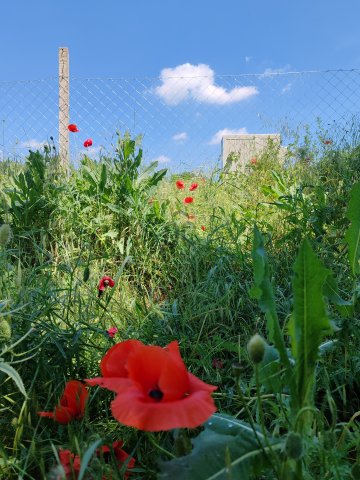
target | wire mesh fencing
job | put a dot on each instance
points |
(181, 119)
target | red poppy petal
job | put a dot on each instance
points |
(114, 362)
(155, 368)
(115, 384)
(197, 384)
(46, 414)
(64, 415)
(189, 412)
(75, 396)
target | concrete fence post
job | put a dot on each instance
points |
(64, 103)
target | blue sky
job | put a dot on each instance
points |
(141, 38)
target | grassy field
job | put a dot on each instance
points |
(256, 278)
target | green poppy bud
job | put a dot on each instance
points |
(294, 446)
(256, 348)
(5, 330)
(5, 234)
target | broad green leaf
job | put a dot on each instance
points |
(270, 371)
(309, 321)
(263, 292)
(226, 449)
(12, 373)
(331, 291)
(352, 236)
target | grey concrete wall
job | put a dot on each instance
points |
(245, 147)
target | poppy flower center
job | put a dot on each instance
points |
(156, 394)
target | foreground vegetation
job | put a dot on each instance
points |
(256, 278)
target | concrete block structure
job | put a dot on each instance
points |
(238, 150)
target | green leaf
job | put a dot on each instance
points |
(103, 177)
(309, 321)
(12, 373)
(227, 449)
(87, 457)
(331, 291)
(352, 236)
(263, 292)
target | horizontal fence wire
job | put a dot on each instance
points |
(181, 119)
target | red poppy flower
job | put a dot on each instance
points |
(104, 283)
(203, 228)
(71, 405)
(73, 128)
(154, 390)
(120, 455)
(180, 185)
(193, 186)
(88, 143)
(111, 332)
(217, 363)
(253, 161)
(188, 199)
(70, 463)
(327, 142)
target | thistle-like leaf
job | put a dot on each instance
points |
(352, 236)
(309, 321)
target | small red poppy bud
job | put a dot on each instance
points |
(188, 200)
(180, 185)
(217, 363)
(193, 186)
(112, 331)
(203, 228)
(73, 128)
(88, 143)
(105, 282)
(253, 161)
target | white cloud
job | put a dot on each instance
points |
(33, 144)
(197, 82)
(180, 137)
(247, 59)
(268, 72)
(287, 88)
(216, 139)
(162, 159)
(91, 151)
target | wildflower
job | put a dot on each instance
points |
(70, 463)
(120, 455)
(180, 185)
(253, 161)
(155, 391)
(103, 283)
(73, 128)
(111, 332)
(193, 186)
(203, 228)
(217, 363)
(71, 405)
(188, 199)
(5, 234)
(256, 348)
(327, 142)
(88, 143)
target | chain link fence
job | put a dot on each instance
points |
(181, 119)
